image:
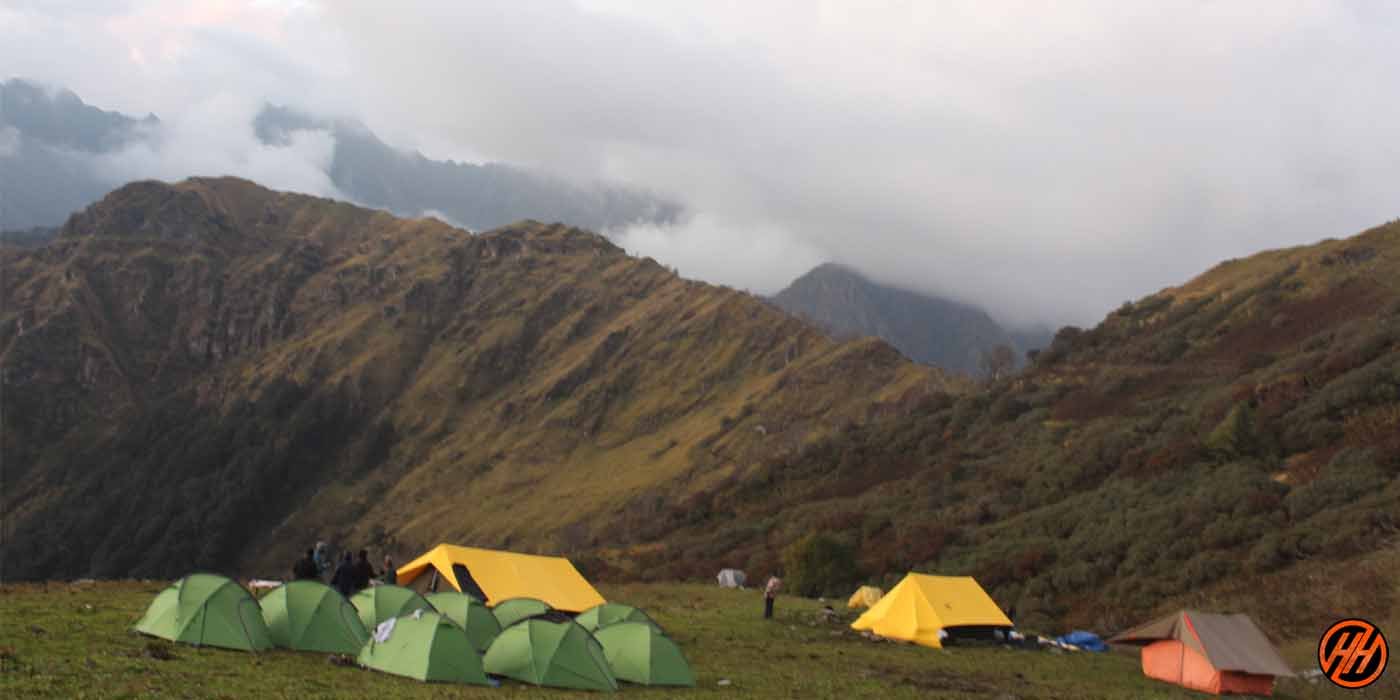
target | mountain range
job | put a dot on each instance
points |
(925, 328)
(50, 140)
(213, 375)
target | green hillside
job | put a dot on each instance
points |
(1234, 441)
(214, 375)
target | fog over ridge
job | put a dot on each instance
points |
(1045, 162)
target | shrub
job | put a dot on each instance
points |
(1268, 554)
(1350, 475)
(820, 565)
(1235, 435)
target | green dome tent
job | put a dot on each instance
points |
(509, 612)
(469, 614)
(638, 652)
(426, 646)
(379, 603)
(311, 616)
(206, 610)
(600, 616)
(559, 654)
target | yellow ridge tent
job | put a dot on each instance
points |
(921, 606)
(494, 576)
(865, 597)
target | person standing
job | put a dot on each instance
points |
(391, 576)
(324, 562)
(305, 568)
(344, 578)
(363, 571)
(770, 592)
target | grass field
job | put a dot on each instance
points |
(72, 641)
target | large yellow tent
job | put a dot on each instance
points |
(865, 597)
(495, 576)
(922, 605)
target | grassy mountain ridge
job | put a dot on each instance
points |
(211, 374)
(1232, 436)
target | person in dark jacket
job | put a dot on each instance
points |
(391, 576)
(305, 568)
(363, 571)
(344, 578)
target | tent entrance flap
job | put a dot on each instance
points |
(976, 634)
(465, 582)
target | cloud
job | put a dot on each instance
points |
(443, 217)
(702, 246)
(216, 137)
(9, 141)
(1048, 161)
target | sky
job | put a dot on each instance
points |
(1047, 161)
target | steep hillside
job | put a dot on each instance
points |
(925, 328)
(1222, 440)
(212, 375)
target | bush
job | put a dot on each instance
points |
(1235, 436)
(820, 565)
(1350, 475)
(1270, 553)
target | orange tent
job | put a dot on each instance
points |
(1211, 653)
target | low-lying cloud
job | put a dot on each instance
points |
(9, 141)
(1048, 161)
(216, 137)
(745, 255)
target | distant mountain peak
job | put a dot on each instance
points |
(50, 140)
(476, 196)
(926, 328)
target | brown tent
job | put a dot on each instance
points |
(1212, 653)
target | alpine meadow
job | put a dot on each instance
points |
(946, 349)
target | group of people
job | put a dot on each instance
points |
(350, 576)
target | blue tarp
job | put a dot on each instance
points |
(1088, 641)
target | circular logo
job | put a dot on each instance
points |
(1352, 653)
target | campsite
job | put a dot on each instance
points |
(577, 348)
(72, 640)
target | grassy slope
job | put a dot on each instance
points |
(240, 359)
(1240, 432)
(71, 641)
